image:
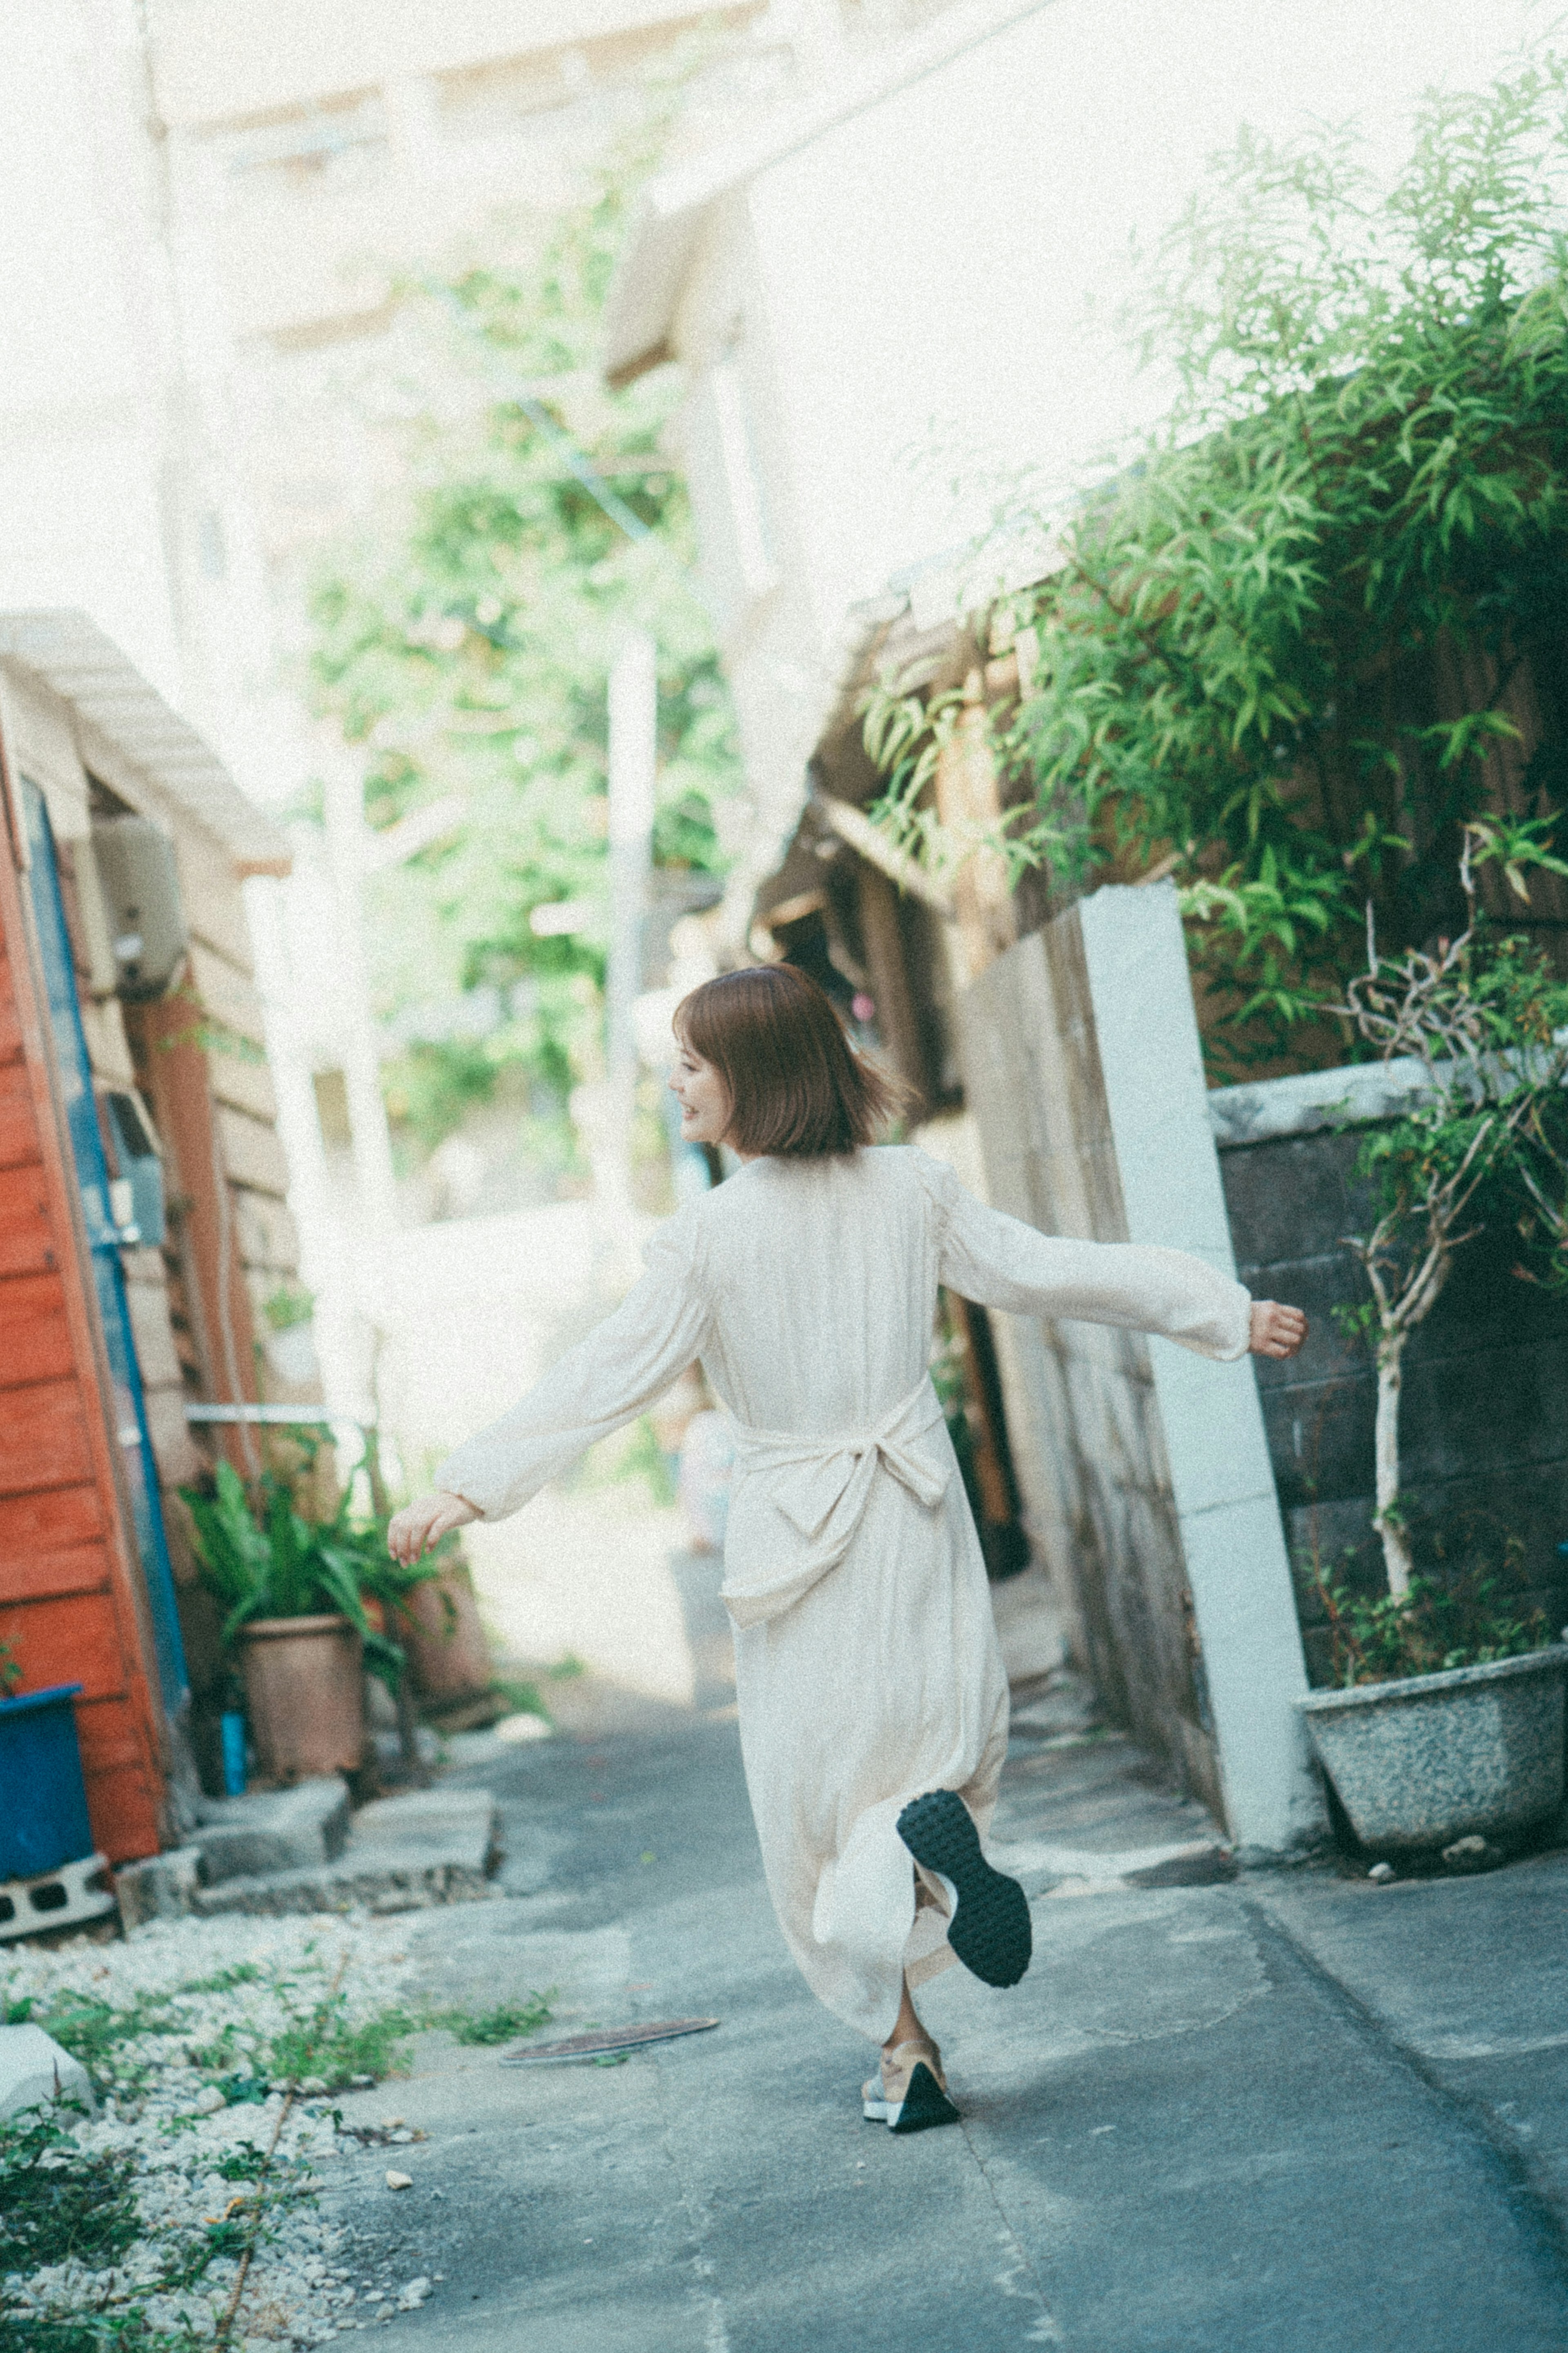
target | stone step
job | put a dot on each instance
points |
(398, 1854)
(272, 1829)
(428, 1846)
(1043, 1868)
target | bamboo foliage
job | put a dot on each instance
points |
(1286, 640)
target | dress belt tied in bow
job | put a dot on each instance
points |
(821, 1487)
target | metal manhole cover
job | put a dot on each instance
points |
(604, 2038)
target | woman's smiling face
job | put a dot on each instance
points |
(703, 1095)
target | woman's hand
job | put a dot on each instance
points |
(1276, 1331)
(420, 1526)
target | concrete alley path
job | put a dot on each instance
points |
(1285, 2111)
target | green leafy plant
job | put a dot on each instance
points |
(505, 2023)
(462, 644)
(633, 1454)
(290, 1305)
(260, 1556)
(58, 2201)
(337, 2048)
(1466, 1618)
(1542, 1171)
(1487, 1020)
(521, 1696)
(10, 1670)
(1278, 654)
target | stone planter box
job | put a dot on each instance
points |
(1418, 1763)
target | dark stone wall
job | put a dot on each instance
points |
(1484, 1422)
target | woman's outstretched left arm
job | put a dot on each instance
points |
(1277, 1330)
(1001, 1263)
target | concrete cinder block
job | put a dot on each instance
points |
(77, 1891)
(273, 1830)
(162, 1888)
(34, 2069)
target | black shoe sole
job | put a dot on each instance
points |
(925, 2103)
(990, 1931)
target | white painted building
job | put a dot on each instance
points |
(881, 300)
(205, 208)
(108, 501)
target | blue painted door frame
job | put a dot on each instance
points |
(74, 1073)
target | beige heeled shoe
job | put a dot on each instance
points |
(909, 2093)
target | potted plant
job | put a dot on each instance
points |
(445, 1640)
(1449, 1719)
(294, 1591)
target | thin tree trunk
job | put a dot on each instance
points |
(1387, 1520)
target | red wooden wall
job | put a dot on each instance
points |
(69, 1586)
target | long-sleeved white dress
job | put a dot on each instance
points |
(866, 1664)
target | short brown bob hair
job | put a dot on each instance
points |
(796, 1088)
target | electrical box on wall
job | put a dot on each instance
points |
(141, 894)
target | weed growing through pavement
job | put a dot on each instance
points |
(55, 2202)
(505, 2023)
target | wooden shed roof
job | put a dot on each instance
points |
(119, 717)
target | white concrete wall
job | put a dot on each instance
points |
(84, 520)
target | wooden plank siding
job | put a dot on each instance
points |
(69, 1580)
(92, 737)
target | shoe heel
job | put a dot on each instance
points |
(924, 2103)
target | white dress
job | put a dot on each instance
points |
(867, 1670)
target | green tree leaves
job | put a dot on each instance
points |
(464, 641)
(1281, 644)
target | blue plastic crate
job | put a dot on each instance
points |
(43, 1799)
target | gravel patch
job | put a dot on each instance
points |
(214, 2048)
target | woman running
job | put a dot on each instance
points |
(872, 1698)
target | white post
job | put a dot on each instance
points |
(346, 829)
(1227, 1506)
(633, 719)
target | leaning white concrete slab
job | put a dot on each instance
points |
(34, 2070)
(1233, 1540)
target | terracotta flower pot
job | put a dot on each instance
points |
(445, 1647)
(304, 1690)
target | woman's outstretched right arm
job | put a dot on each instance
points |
(424, 1523)
(598, 1386)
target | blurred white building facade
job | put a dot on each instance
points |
(204, 209)
(872, 243)
(891, 301)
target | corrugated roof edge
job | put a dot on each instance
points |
(114, 705)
